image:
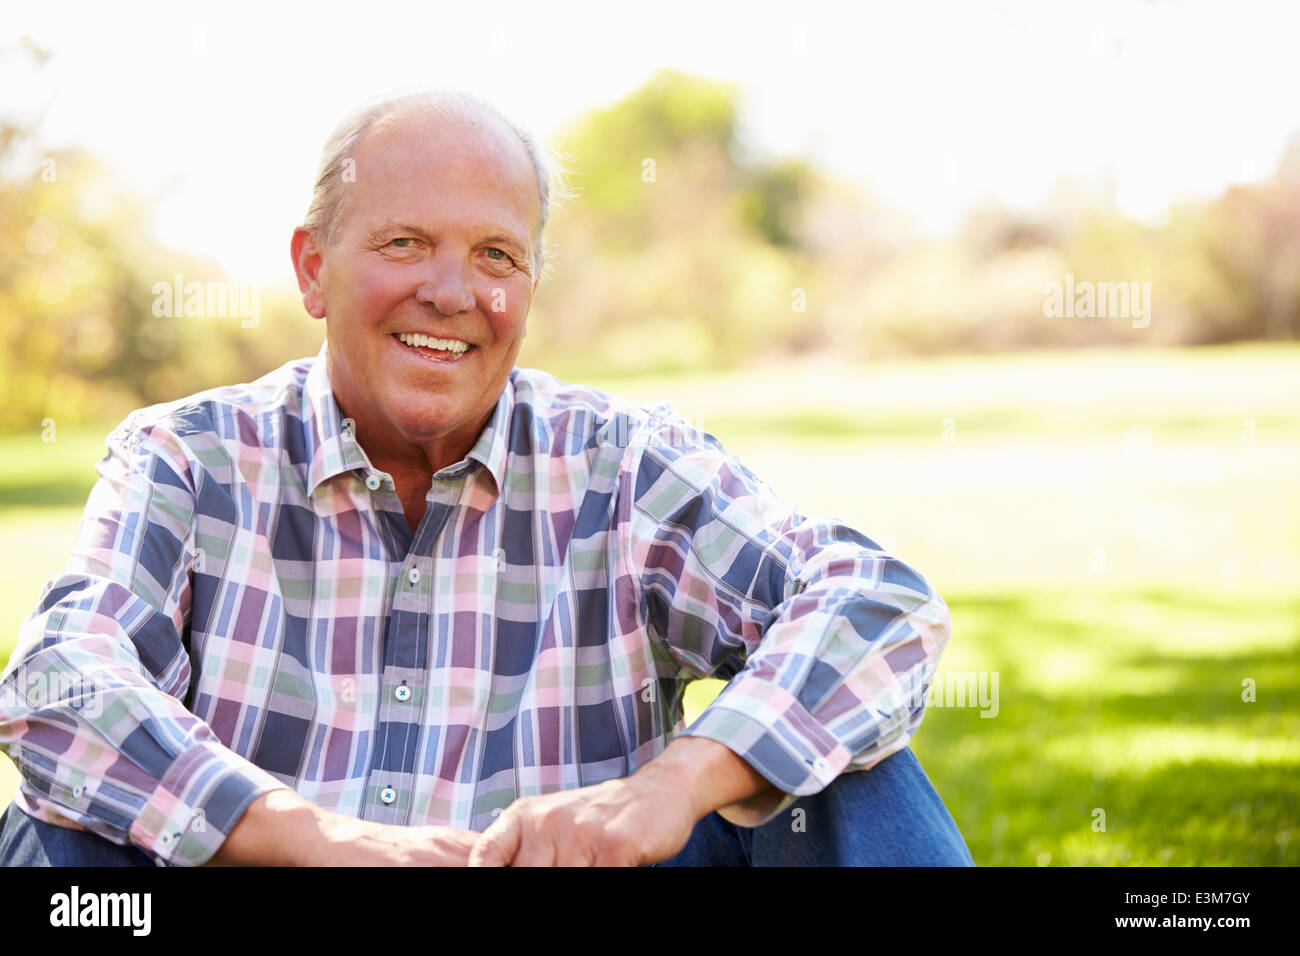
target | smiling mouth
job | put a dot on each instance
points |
(439, 350)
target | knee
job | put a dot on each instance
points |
(889, 815)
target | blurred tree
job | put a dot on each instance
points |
(774, 197)
(679, 252)
(682, 250)
(79, 337)
(1254, 241)
(612, 145)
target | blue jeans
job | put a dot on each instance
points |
(25, 841)
(889, 815)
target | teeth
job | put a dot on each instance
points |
(455, 346)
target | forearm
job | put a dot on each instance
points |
(711, 777)
(282, 828)
(101, 746)
(279, 828)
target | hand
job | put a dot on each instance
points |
(627, 822)
(350, 842)
(644, 818)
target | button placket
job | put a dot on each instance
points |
(410, 623)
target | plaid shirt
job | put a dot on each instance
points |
(247, 609)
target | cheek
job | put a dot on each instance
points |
(372, 293)
(506, 326)
(507, 308)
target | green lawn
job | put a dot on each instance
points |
(1117, 535)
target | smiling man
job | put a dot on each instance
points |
(407, 602)
(427, 267)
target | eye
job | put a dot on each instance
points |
(402, 242)
(503, 257)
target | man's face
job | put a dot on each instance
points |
(435, 239)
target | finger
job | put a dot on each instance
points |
(618, 848)
(579, 849)
(583, 854)
(457, 846)
(498, 843)
(536, 847)
(616, 856)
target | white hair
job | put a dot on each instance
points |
(446, 104)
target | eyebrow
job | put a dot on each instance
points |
(505, 240)
(396, 226)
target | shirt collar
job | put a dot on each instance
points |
(334, 449)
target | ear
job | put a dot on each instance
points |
(307, 264)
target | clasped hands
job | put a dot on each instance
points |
(644, 818)
(639, 819)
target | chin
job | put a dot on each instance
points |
(429, 419)
(421, 418)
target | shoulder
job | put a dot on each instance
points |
(651, 439)
(211, 422)
(576, 416)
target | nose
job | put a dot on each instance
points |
(447, 286)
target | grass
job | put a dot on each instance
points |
(1117, 535)
(1131, 704)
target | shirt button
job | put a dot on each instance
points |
(402, 693)
(373, 482)
(388, 795)
(413, 575)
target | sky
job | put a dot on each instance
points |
(218, 112)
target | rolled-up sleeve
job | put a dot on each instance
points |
(828, 641)
(91, 703)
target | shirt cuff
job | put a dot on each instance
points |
(768, 727)
(198, 802)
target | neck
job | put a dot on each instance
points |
(390, 449)
(395, 455)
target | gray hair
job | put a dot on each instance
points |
(327, 197)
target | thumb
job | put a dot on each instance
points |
(498, 843)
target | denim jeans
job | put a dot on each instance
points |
(25, 841)
(889, 815)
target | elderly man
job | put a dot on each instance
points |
(407, 603)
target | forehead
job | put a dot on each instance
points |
(474, 172)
